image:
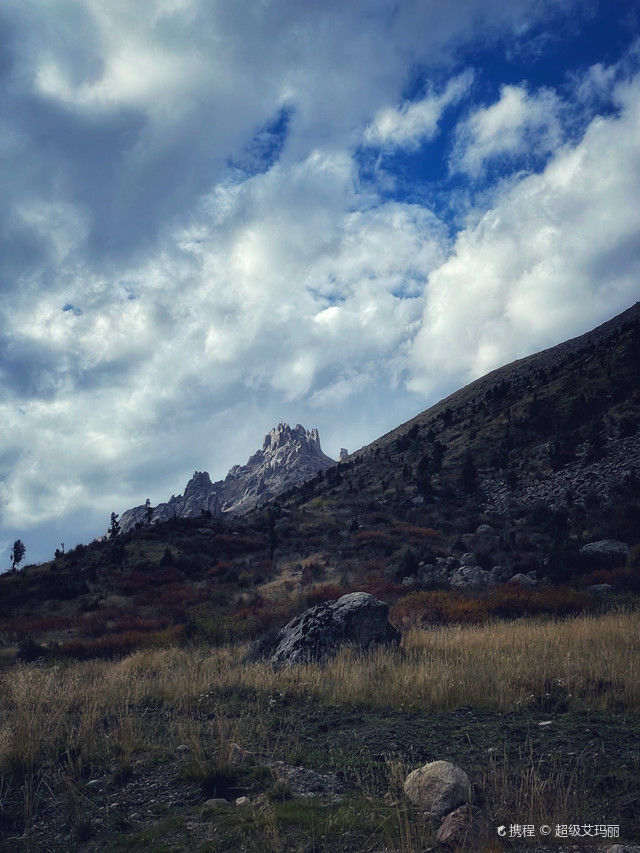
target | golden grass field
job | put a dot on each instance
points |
(62, 723)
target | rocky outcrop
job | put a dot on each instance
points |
(357, 618)
(437, 788)
(289, 456)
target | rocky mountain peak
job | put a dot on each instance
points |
(283, 434)
(289, 456)
(200, 480)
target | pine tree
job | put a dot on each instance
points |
(17, 553)
(115, 526)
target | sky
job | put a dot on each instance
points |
(216, 215)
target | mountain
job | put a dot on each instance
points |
(549, 441)
(514, 474)
(289, 456)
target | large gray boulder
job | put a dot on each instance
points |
(439, 787)
(357, 618)
(604, 554)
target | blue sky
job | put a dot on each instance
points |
(219, 215)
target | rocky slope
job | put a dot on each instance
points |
(289, 456)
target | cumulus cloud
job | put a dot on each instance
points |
(188, 252)
(517, 124)
(413, 122)
(557, 252)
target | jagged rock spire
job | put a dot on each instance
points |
(289, 456)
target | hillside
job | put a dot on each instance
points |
(132, 716)
(545, 451)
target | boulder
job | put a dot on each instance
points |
(499, 574)
(522, 580)
(604, 554)
(600, 589)
(471, 579)
(357, 618)
(468, 559)
(438, 788)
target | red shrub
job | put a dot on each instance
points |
(326, 592)
(438, 607)
(382, 588)
(374, 536)
(416, 532)
(32, 626)
(117, 645)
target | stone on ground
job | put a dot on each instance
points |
(438, 788)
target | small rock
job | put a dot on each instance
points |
(468, 559)
(216, 802)
(242, 801)
(545, 723)
(484, 528)
(182, 748)
(438, 787)
(460, 826)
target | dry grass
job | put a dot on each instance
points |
(81, 709)
(59, 723)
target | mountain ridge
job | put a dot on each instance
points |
(289, 455)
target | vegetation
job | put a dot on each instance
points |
(196, 723)
(17, 554)
(124, 667)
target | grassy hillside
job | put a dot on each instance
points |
(544, 450)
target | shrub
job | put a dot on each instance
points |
(118, 645)
(326, 592)
(510, 601)
(29, 650)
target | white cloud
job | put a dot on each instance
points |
(208, 302)
(408, 125)
(558, 252)
(517, 124)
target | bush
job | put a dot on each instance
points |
(119, 645)
(510, 601)
(29, 650)
(326, 592)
